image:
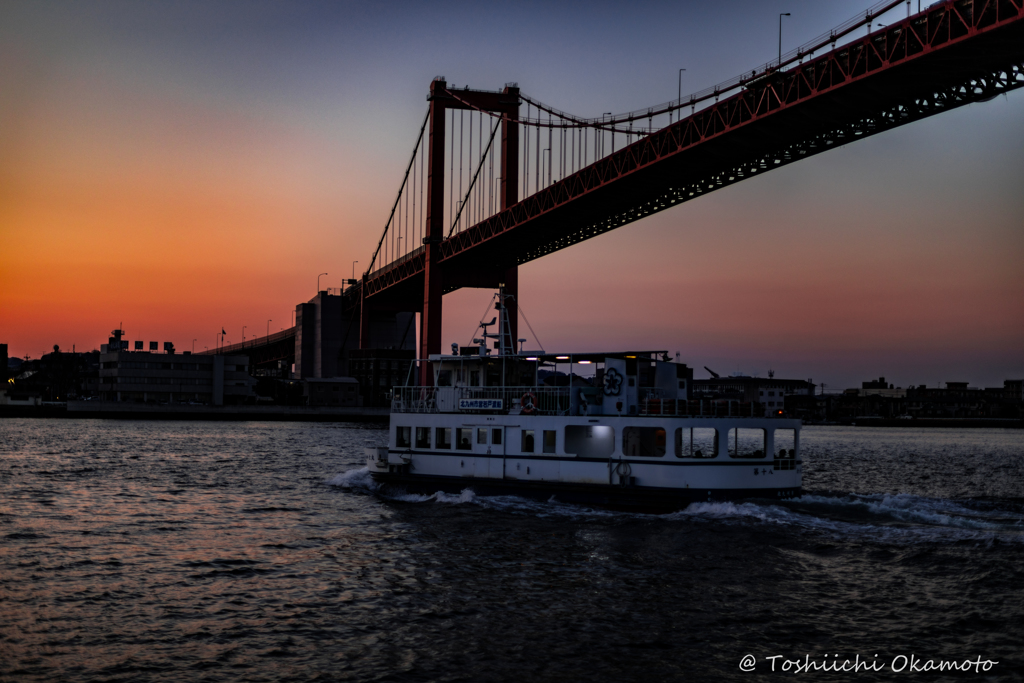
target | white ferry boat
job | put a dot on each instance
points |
(623, 433)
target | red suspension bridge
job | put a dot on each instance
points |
(497, 178)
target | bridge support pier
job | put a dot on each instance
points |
(364, 317)
(510, 195)
(506, 102)
(430, 320)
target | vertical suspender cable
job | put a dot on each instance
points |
(526, 155)
(451, 185)
(479, 148)
(415, 216)
(405, 231)
(536, 179)
(462, 138)
(551, 150)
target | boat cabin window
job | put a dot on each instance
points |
(643, 442)
(423, 437)
(403, 437)
(481, 435)
(496, 437)
(527, 442)
(444, 378)
(784, 449)
(464, 438)
(696, 442)
(784, 439)
(590, 441)
(443, 437)
(746, 443)
(550, 440)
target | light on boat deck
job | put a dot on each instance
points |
(532, 358)
(584, 362)
(561, 357)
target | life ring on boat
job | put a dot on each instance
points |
(528, 403)
(624, 470)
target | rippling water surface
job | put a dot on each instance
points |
(150, 551)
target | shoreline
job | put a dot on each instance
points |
(127, 411)
(124, 411)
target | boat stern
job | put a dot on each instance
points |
(377, 458)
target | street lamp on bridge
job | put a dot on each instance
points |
(783, 14)
(352, 280)
(679, 97)
(318, 281)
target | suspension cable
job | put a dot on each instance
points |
(405, 178)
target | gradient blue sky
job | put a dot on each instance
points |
(182, 166)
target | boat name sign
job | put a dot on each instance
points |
(480, 404)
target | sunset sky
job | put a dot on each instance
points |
(178, 167)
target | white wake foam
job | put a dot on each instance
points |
(883, 517)
(919, 510)
(897, 517)
(354, 479)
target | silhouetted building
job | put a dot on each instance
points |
(957, 400)
(770, 392)
(378, 371)
(150, 377)
(325, 335)
(336, 392)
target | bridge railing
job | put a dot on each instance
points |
(830, 39)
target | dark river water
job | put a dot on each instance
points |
(178, 551)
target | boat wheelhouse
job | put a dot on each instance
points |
(616, 429)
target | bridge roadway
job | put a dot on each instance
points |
(952, 54)
(278, 346)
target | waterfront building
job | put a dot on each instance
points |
(334, 392)
(379, 370)
(170, 378)
(770, 392)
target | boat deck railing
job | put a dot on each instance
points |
(653, 402)
(522, 400)
(526, 400)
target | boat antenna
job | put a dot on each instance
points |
(519, 307)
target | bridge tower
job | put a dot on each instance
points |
(505, 102)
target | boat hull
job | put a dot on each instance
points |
(614, 496)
